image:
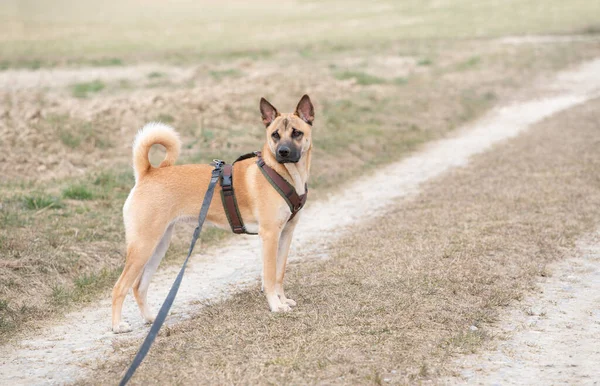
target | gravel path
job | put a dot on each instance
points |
(70, 348)
(553, 336)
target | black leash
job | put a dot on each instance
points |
(164, 310)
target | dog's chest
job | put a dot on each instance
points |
(282, 216)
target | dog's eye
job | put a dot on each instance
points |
(296, 133)
(275, 136)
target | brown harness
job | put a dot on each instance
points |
(284, 188)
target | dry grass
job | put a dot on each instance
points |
(66, 172)
(65, 145)
(400, 295)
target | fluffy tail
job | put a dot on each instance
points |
(151, 134)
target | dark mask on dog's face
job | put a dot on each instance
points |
(288, 135)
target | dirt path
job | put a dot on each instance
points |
(68, 350)
(553, 335)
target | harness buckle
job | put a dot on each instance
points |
(217, 163)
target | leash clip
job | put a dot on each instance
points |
(217, 163)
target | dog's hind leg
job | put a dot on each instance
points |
(138, 254)
(140, 288)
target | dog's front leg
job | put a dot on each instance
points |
(270, 245)
(282, 255)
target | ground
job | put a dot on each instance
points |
(386, 81)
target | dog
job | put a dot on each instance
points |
(170, 193)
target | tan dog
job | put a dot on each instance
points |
(166, 194)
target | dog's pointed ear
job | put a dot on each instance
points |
(268, 112)
(305, 110)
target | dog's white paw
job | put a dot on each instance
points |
(281, 307)
(148, 316)
(122, 328)
(290, 302)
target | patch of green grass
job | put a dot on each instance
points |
(165, 118)
(107, 62)
(11, 217)
(473, 102)
(361, 78)
(246, 54)
(74, 133)
(78, 192)
(60, 295)
(6, 324)
(82, 90)
(472, 62)
(41, 201)
(29, 64)
(69, 138)
(211, 235)
(156, 74)
(110, 183)
(125, 84)
(87, 285)
(306, 52)
(400, 80)
(12, 316)
(229, 73)
(592, 29)
(424, 62)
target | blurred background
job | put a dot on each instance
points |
(79, 78)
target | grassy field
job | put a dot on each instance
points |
(38, 33)
(384, 78)
(404, 294)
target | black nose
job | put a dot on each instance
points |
(284, 151)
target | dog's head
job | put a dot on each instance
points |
(288, 135)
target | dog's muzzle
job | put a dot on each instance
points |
(287, 154)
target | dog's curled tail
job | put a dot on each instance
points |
(152, 134)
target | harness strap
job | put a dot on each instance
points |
(280, 184)
(229, 201)
(284, 188)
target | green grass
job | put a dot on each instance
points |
(470, 63)
(401, 81)
(87, 285)
(41, 201)
(361, 78)
(229, 73)
(592, 29)
(83, 90)
(64, 32)
(109, 184)
(8, 316)
(107, 62)
(72, 252)
(69, 138)
(155, 74)
(78, 192)
(75, 133)
(164, 118)
(61, 295)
